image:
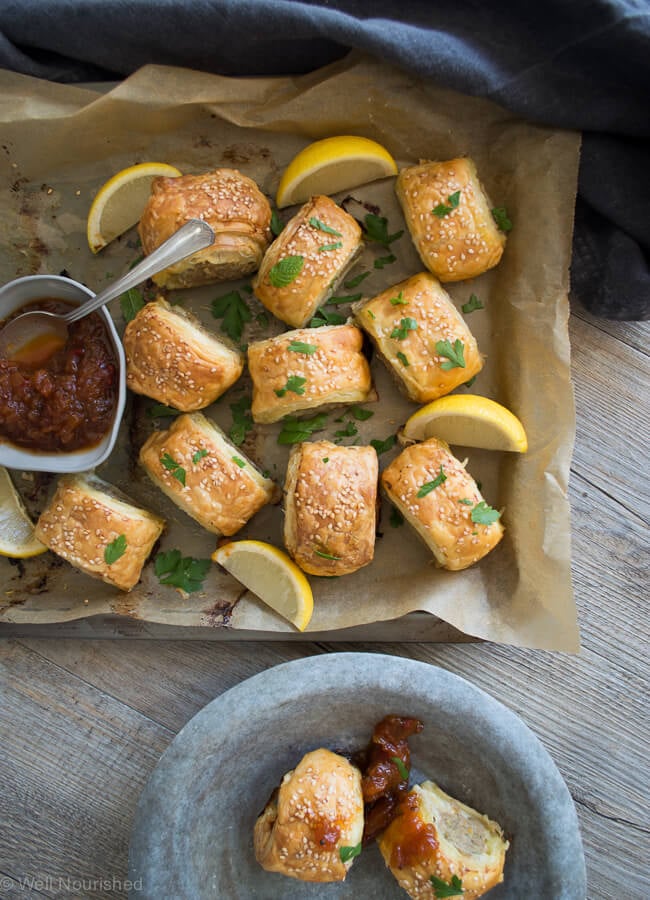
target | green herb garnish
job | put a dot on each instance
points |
(376, 229)
(169, 463)
(179, 571)
(472, 304)
(441, 889)
(454, 354)
(239, 461)
(400, 332)
(396, 518)
(441, 210)
(466, 501)
(402, 358)
(286, 271)
(294, 431)
(432, 485)
(321, 226)
(301, 347)
(401, 768)
(295, 384)
(500, 216)
(131, 303)
(322, 317)
(262, 319)
(483, 514)
(326, 459)
(371, 314)
(233, 312)
(348, 853)
(361, 414)
(471, 381)
(356, 281)
(382, 261)
(350, 430)
(276, 223)
(159, 410)
(199, 455)
(399, 300)
(348, 298)
(384, 446)
(336, 246)
(115, 550)
(242, 421)
(326, 555)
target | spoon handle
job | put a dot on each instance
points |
(194, 235)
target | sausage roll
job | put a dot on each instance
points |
(96, 528)
(421, 336)
(304, 264)
(313, 821)
(307, 368)
(331, 507)
(233, 206)
(453, 841)
(441, 500)
(450, 218)
(205, 475)
(171, 357)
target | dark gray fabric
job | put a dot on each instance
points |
(581, 64)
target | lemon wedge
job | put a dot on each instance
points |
(119, 203)
(16, 529)
(269, 574)
(468, 420)
(331, 165)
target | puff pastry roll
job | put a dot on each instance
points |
(307, 368)
(441, 500)
(205, 475)
(421, 337)
(452, 840)
(306, 261)
(233, 206)
(316, 812)
(331, 507)
(450, 218)
(171, 357)
(96, 528)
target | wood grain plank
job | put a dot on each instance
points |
(634, 334)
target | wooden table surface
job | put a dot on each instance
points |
(83, 722)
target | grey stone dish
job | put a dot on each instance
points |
(192, 835)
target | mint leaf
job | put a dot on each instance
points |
(179, 571)
(348, 853)
(326, 555)
(199, 455)
(115, 550)
(159, 411)
(376, 229)
(401, 331)
(294, 384)
(500, 216)
(349, 298)
(294, 431)
(356, 281)
(286, 271)
(322, 317)
(483, 514)
(382, 261)
(401, 768)
(335, 246)
(466, 501)
(169, 463)
(233, 312)
(239, 461)
(131, 303)
(350, 430)
(472, 304)
(242, 421)
(276, 223)
(321, 226)
(441, 889)
(384, 446)
(432, 485)
(399, 300)
(441, 210)
(402, 358)
(361, 414)
(455, 358)
(301, 347)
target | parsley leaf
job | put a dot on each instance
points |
(348, 298)
(286, 271)
(483, 514)
(441, 889)
(239, 461)
(356, 281)
(455, 358)
(382, 261)
(432, 485)
(361, 414)
(179, 571)
(321, 226)
(199, 455)
(115, 550)
(500, 216)
(242, 421)
(276, 223)
(301, 347)
(472, 304)
(384, 446)
(401, 768)
(349, 431)
(159, 410)
(131, 303)
(401, 331)
(396, 518)
(169, 463)
(294, 431)
(441, 210)
(322, 317)
(294, 384)
(336, 246)
(402, 358)
(326, 555)
(399, 300)
(376, 228)
(233, 312)
(348, 853)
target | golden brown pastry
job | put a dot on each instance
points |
(315, 814)
(205, 475)
(453, 841)
(98, 529)
(330, 507)
(450, 218)
(171, 357)
(307, 368)
(416, 328)
(441, 500)
(233, 206)
(316, 247)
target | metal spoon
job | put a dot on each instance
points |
(32, 328)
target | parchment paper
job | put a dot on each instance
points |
(60, 143)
